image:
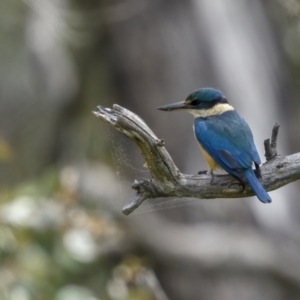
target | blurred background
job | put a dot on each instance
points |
(65, 175)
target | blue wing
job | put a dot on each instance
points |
(229, 141)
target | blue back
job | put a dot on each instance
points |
(229, 140)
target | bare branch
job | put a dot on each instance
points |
(208, 245)
(271, 148)
(166, 179)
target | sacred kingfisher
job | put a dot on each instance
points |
(224, 137)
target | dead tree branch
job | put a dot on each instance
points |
(167, 181)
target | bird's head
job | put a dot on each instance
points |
(202, 102)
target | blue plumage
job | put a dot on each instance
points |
(256, 186)
(228, 139)
(224, 136)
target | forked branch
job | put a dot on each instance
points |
(167, 181)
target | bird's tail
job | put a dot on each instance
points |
(257, 187)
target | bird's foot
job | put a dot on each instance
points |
(202, 172)
(212, 177)
(211, 173)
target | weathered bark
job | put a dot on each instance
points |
(167, 181)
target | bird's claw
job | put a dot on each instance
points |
(212, 177)
(208, 173)
(202, 172)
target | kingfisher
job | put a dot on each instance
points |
(224, 137)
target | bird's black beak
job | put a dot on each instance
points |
(174, 106)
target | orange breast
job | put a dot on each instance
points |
(211, 162)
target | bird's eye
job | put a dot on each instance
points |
(194, 102)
